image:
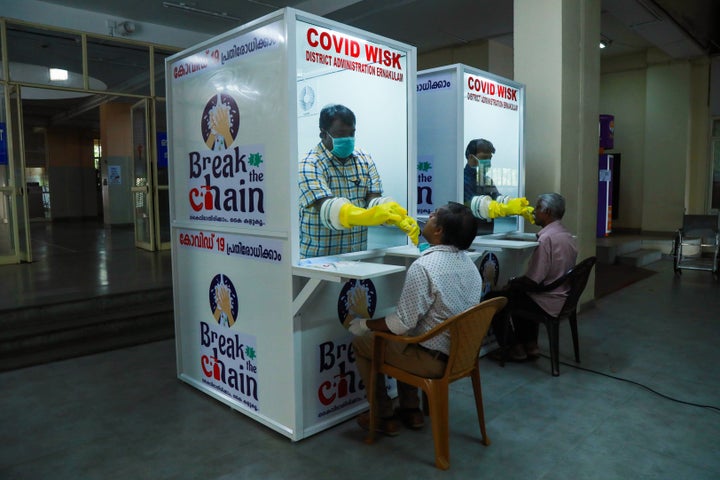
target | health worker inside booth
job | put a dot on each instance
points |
(482, 195)
(341, 191)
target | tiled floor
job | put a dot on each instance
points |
(81, 259)
(125, 415)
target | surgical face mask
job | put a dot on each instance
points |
(343, 147)
(483, 162)
(423, 246)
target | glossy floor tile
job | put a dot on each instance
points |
(124, 414)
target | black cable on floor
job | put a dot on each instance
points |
(710, 407)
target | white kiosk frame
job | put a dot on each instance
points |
(255, 328)
(457, 103)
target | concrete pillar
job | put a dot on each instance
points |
(558, 59)
(117, 163)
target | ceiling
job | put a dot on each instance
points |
(680, 28)
(683, 28)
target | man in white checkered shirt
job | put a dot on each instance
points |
(441, 283)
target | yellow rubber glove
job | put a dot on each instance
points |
(515, 206)
(405, 223)
(395, 208)
(411, 229)
(352, 216)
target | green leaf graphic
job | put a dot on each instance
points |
(255, 159)
(250, 353)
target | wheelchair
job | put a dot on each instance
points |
(696, 244)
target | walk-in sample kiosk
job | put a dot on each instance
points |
(257, 327)
(456, 104)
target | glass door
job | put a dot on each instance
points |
(14, 224)
(143, 211)
(8, 242)
(162, 192)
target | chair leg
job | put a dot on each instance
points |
(439, 420)
(574, 330)
(553, 328)
(477, 389)
(504, 347)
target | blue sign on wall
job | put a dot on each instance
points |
(3, 144)
(162, 150)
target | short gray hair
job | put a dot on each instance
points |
(553, 203)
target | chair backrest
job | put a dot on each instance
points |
(700, 225)
(577, 277)
(467, 331)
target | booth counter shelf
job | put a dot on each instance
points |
(509, 241)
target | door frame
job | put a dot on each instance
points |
(19, 222)
(145, 190)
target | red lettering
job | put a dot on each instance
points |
(325, 400)
(208, 362)
(396, 61)
(325, 41)
(192, 195)
(338, 43)
(311, 34)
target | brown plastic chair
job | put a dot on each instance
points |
(467, 331)
(577, 278)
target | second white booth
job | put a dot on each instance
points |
(457, 105)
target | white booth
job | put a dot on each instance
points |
(457, 104)
(257, 327)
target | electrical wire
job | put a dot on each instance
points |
(709, 407)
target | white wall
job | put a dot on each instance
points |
(667, 129)
(661, 110)
(622, 94)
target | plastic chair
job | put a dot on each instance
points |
(577, 278)
(698, 233)
(467, 331)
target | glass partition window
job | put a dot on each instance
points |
(492, 119)
(123, 68)
(371, 80)
(33, 52)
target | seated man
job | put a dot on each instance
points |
(441, 283)
(552, 258)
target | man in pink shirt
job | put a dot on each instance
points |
(553, 257)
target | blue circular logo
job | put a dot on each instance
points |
(357, 297)
(223, 300)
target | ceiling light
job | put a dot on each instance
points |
(193, 9)
(604, 41)
(58, 75)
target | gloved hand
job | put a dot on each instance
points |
(358, 326)
(350, 215)
(515, 206)
(405, 223)
(411, 229)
